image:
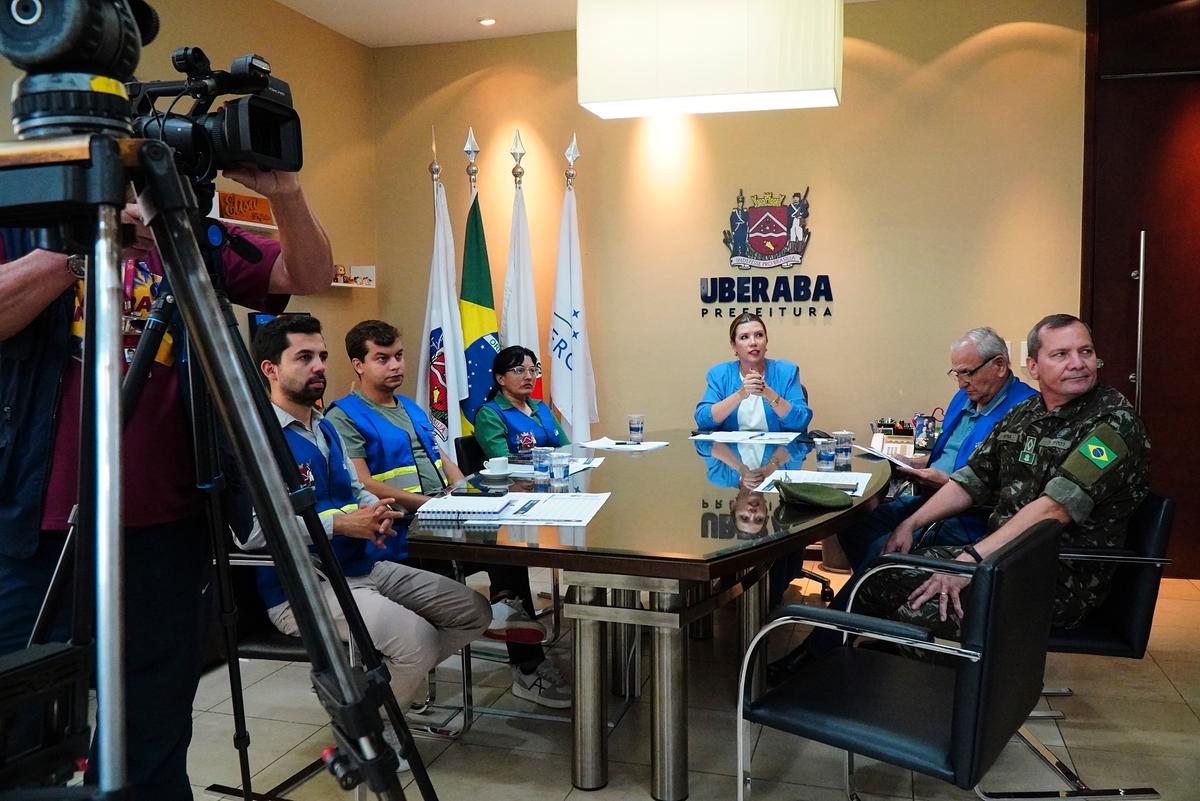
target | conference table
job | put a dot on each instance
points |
(673, 529)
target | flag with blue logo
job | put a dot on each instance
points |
(572, 383)
(478, 310)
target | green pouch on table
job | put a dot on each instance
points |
(817, 495)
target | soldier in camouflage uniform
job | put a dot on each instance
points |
(1076, 453)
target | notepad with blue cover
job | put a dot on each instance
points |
(457, 508)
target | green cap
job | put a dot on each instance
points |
(817, 495)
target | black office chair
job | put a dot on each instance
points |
(949, 718)
(468, 454)
(1121, 625)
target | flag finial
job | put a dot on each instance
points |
(435, 169)
(571, 154)
(471, 148)
(517, 151)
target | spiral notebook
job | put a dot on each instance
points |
(454, 508)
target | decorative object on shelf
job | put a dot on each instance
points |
(361, 276)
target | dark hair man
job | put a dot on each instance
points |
(389, 439)
(414, 617)
(166, 542)
(1076, 453)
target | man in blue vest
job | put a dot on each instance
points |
(987, 389)
(415, 618)
(390, 442)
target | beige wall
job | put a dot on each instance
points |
(945, 190)
(945, 194)
(332, 87)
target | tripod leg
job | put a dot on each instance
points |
(171, 206)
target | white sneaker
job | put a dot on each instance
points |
(511, 624)
(546, 686)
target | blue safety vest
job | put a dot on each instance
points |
(331, 483)
(516, 422)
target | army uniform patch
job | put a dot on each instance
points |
(1098, 453)
(1028, 454)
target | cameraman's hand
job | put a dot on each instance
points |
(143, 241)
(268, 183)
(371, 522)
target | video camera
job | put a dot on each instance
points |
(80, 57)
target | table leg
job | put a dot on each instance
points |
(752, 611)
(589, 768)
(699, 592)
(625, 671)
(669, 747)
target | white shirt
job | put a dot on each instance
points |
(751, 414)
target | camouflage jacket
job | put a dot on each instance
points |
(1091, 455)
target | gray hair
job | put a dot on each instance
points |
(1053, 321)
(987, 343)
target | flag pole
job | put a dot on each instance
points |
(471, 148)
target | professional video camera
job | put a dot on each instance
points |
(80, 58)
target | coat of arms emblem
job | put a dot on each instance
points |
(770, 233)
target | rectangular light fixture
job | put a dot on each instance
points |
(643, 57)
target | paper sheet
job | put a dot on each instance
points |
(607, 444)
(765, 437)
(577, 465)
(563, 509)
(881, 455)
(840, 480)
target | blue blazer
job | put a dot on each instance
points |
(1017, 391)
(782, 376)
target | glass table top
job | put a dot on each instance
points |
(688, 501)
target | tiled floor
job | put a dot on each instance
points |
(1131, 723)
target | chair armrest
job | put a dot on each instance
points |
(1116, 555)
(853, 623)
(952, 566)
(264, 559)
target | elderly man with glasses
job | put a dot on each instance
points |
(987, 389)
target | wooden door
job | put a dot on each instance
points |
(1146, 177)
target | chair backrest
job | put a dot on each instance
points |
(1007, 617)
(257, 637)
(1128, 612)
(468, 454)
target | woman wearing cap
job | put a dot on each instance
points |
(511, 421)
(752, 392)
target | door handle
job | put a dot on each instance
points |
(1139, 275)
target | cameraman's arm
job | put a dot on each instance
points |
(27, 286)
(305, 265)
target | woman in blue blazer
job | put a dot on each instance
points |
(752, 392)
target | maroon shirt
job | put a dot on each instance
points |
(158, 479)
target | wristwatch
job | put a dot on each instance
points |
(974, 554)
(77, 265)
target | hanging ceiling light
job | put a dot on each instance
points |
(643, 57)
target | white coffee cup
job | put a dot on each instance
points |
(497, 465)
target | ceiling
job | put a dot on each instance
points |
(394, 23)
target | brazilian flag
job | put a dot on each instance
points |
(477, 308)
(1097, 452)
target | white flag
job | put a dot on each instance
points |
(442, 370)
(572, 383)
(518, 318)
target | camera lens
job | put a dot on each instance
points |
(25, 12)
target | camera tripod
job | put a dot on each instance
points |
(82, 180)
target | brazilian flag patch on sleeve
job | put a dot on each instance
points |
(1097, 452)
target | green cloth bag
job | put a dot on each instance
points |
(817, 495)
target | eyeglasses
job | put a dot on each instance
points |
(536, 372)
(965, 375)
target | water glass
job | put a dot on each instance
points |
(560, 465)
(825, 453)
(843, 449)
(637, 428)
(541, 465)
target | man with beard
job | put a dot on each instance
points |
(1077, 453)
(390, 442)
(415, 618)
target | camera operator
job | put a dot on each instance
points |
(167, 548)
